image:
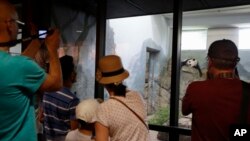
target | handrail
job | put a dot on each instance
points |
(179, 130)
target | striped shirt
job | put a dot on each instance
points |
(59, 109)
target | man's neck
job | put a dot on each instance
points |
(222, 74)
(68, 84)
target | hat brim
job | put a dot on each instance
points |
(114, 79)
(87, 121)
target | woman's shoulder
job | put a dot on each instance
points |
(107, 103)
(132, 93)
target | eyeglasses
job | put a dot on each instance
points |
(11, 21)
(19, 22)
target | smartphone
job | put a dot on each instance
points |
(42, 34)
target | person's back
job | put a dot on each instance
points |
(58, 111)
(77, 135)
(123, 116)
(122, 123)
(59, 106)
(20, 78)
(16, 109)
(216, 106)
(216, 102)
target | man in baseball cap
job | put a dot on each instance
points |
(215, 103)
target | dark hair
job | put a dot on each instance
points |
(67, 66)
(119, 89)
(85, 125)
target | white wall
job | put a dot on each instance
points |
(132, 36)
(222, 33)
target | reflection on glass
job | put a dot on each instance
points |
(78, 33)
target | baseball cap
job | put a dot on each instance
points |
(224, 50)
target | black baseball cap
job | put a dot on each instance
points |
(224, 50)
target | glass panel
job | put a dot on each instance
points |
(144, 44)
(78, 31)
(188, 36)
(244, 50)
(230, 26)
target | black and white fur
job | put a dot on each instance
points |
(192, 62)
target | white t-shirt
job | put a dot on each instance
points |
(75, 135)
(122, 123)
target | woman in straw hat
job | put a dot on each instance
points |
(122, 116)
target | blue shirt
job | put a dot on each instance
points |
(20, 78)
(59, 109)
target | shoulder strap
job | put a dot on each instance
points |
(244, 103)
(130, 110)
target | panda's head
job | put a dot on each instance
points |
(191, 62)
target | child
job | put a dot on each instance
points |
(85, 113)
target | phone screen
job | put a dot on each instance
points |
(42, 32)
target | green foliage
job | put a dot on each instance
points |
(160, 116)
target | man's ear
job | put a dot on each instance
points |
(73, 77)
(8, 27)
(209, 61)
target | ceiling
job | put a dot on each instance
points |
(128, 8)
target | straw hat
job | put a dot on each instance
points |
(110, 70)
(86, 110)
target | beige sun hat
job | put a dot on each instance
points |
(110, 70)
(86, 110)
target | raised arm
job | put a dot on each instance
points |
(34, 45)
(32, 48)
(53, 81)
(186, 103)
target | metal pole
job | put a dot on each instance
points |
(175, 77)
(100, 40)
